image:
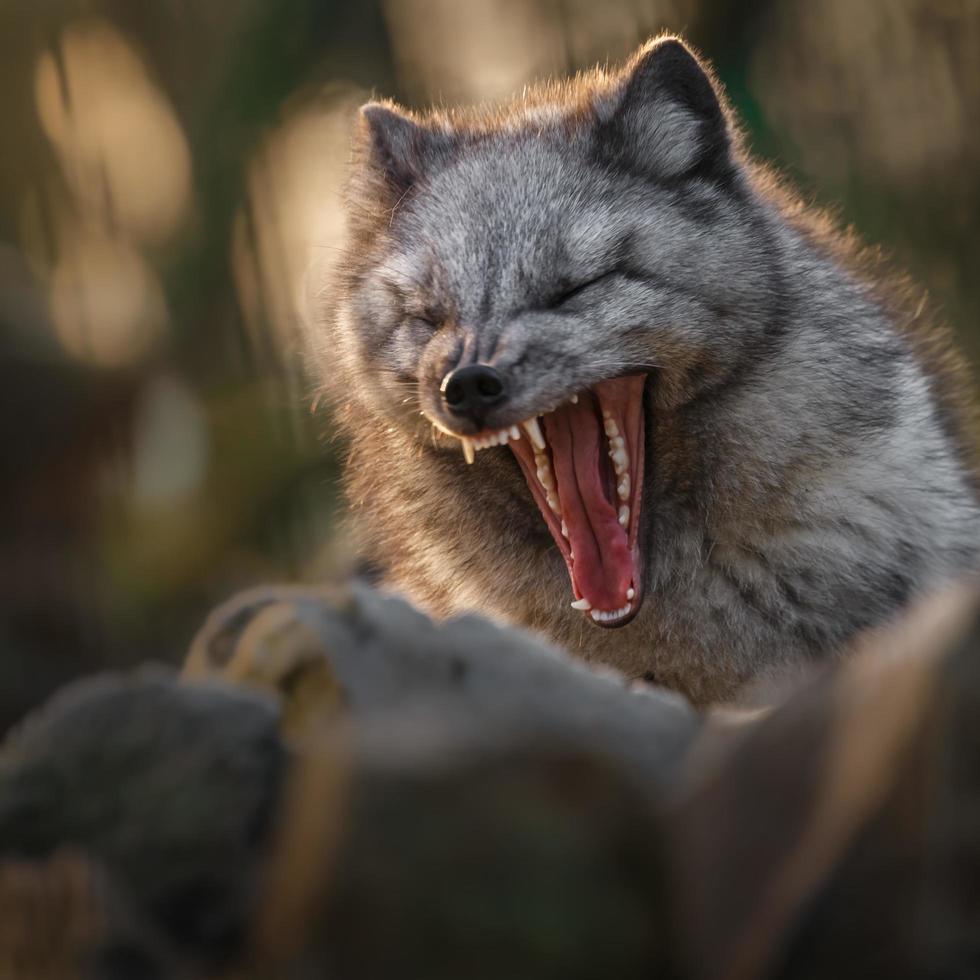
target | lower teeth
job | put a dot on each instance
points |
(604, 617)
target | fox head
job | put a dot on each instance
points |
(545, 275)
(592, 228)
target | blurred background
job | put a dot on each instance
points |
(169, 167)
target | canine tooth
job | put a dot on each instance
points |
(515, 433)
(630, 593)
(564, 530)
(624, 488)
(620, 460)
(624, 515)
(468, 453)
(582, 604)
(611, 428)
(533, 430)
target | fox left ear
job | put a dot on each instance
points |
(666, 118)
(401, 150)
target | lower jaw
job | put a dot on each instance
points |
(635, 603)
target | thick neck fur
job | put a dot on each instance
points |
(803, 478)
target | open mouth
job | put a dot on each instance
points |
(584, 465)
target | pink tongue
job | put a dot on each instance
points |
(602, 570)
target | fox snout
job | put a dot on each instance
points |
(473, 392)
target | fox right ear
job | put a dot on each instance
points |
(399, 149)
(665, 117)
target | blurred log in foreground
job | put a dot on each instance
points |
(373, 795)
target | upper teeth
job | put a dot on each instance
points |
(500, 438)
(617, 453)
(547, 480)
(533, 429)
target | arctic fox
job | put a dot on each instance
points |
(604, 378)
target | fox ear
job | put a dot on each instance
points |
(665, 118)
(399, 149)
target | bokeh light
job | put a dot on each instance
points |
(891, 89)
(483, 49)
(107, 304)
(121, 149)
(292, 217)
(171, 444)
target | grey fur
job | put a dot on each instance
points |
(804, 479)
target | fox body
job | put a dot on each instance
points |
(586, 351)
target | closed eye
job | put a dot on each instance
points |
(560, 299)
(428, 317)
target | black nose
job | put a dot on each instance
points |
(470, 392)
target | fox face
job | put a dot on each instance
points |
(542, 279)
